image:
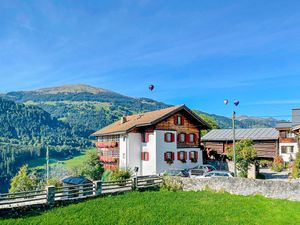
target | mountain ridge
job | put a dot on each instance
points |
(96, 98)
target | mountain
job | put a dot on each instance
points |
(243, 121)
(85, 108)
(88, 108)
(26, 131)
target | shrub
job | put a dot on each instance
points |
(121, 175)
(93, 168)
(265, 163)
(278, 164)
(106, 176)
(172, 183)
(296, 167)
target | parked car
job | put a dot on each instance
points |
(179, 173)
(219, 173)
(206, 168)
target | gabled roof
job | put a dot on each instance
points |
(253, 133)
(147, 119)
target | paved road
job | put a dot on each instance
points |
(271, 175)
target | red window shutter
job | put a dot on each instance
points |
(173, 156)
(172, 137)
(195, 138)
(147, 156)
(185, 155)
(147, 137)
(182, 120)
(190, 155)
(165, 137)
(178, 155)
(187, 138)
(165, 156)
(196, 155)
(178, 137)
(175, 120)
(142, 156)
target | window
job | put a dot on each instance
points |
(178, 120)
(182, 155)
(286, 134)
(145, 137)
(169, 156)
(145, 156)
(181, 138)
(193, 155)
(287, 149)
(169, 137)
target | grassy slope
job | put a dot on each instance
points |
(171, 208)
(68, 163)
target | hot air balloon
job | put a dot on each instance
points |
(236, 102)
(151, 87)
(225, 101)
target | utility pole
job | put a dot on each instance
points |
(233, 142)
(236, 103)
(47, 164)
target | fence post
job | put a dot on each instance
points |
(98, 187)
(50, 192)
(135, 183)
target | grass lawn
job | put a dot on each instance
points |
(40, 163)
(164, 207)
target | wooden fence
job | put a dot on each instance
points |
(51, 194)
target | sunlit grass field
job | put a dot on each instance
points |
(163, 207)
(77, 160)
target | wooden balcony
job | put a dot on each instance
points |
(107, 144)
(109, 159)
(288, 140)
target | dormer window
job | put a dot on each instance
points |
(178, 120)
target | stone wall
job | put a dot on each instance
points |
(239, 186)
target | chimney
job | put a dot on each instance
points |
(123, 119)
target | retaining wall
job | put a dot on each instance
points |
(239, 186)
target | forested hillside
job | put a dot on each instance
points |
(88, 109)
(85, 108)
(26, 131)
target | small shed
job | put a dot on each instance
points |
(77, 186)
(265, 140)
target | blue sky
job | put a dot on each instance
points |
(194, 52)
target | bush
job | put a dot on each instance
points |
(265, 163)
(172, 183)
(106, 176)
(278, 164)
(120, 175)
(93, 168)
(296, 167)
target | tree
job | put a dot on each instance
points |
(245, 155)
(296, 167)
(93, 168)
(23, 181)
(208, 119)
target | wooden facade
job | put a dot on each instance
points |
(264, 148)
(188, 127)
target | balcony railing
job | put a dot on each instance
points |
(107, 144)
(108, 159)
